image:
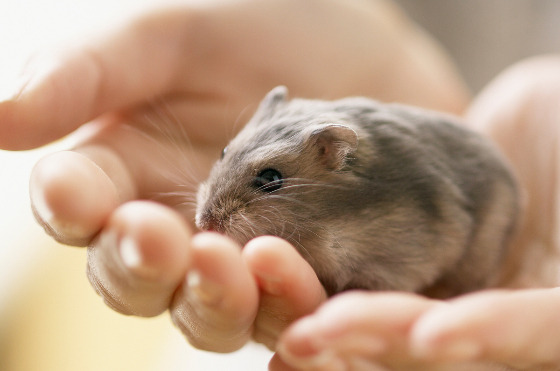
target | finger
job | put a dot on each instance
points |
(127, 66)
(519, 110)
(72, 193)
(217, 304)
(355, 364)
(140, 258)
(289, 287)
(517, 328)
(72, 196)
(354, 328)
(277, 364)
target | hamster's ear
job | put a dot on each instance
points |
(270, 102)
(333, 143)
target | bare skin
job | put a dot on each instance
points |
(143, 257)
(206, 67)
(491, 330)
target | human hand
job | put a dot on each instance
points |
(161, 96)
(490, 330)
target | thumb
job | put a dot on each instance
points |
(66, 89)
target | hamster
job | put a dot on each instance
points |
(374, 196)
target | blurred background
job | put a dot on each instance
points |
(50, 319)
(486, 36)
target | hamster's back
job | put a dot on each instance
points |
(451, 184)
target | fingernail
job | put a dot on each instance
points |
(202, 290)
(33, 71)
(74, 233)
(12, 90)
(363, 364)
(325, 360)
(361, 344)
(130, 253)
(456, 350)
(462, 349)
(270, 285)
(41, 208)
(133, 259)
(306, 350)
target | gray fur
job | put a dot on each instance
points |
(375, 196)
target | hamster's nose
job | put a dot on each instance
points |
(207, 222)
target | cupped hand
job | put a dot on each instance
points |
(161, 96)
(486, 331)
(509, 329)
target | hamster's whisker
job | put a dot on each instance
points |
(272, 224)
(187, 203)
(277, 193)
(184, 197)
(237, 120)
(191, 204)
(249, 224)
(183, 194)
(309, 230)
(303, 249)
(285, 223)
(297, 229)
(166, 115)
(323, 185)
(162, 121)
(177, 174)
(283, 228)
(349, 260)
(312, 182)
(275, 215)
(280, 197)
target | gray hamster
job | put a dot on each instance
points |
(374, 196)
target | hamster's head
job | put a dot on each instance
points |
(272, 173)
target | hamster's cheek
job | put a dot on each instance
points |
(201, 197)
(202, 193)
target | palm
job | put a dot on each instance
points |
(162, 96)
(516, 328)
(518, 112)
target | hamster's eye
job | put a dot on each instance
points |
(268, 180)
(224, 151)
